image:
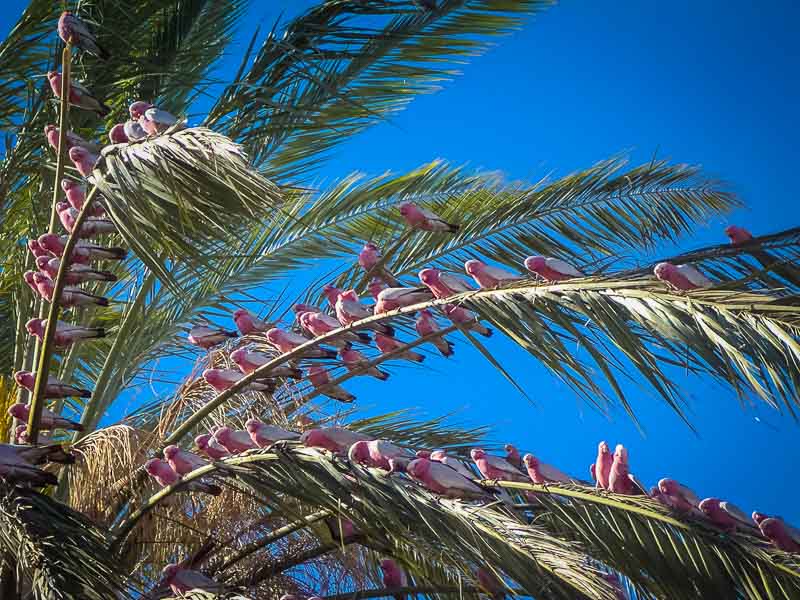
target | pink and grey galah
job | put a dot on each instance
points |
(458, 465)
(52, 133)
(55, 388)
(208, 336)
(83, 252)
(27, 277)
(420, 218)
(36, 249)
(321, 324)
(376, 286)
(443, 285)
(441, 479)
(76, 273)
(387, 344)
(117, 135)
(349, 310)
(602, 465)
(495, 467)
(620, 479)
(182, 461)
(487, 276)
(681, 277)
(48, 420)
(725, 515)
(377, 453)
(551, 269)
(66, 333)
(73, 31)
(369, 256)
(234, 440)
(738, 235)
(18, 463)
(83, 160)
(393, 298)
(248, 362)
(286, 341)
(467, 319)
(76, 196)
(249, 324)
(21, 436)
(152, 119)
(91, 226)
(79, 96)
(165, 475)
(335, 439)
(513, 456)
(70, 296)
(208, 445)
(182, 581)
(775, 530)
(542, 473)
(133, 131)
(355, 360)
(321, 380)
(266, 434)
(331, 293)
(792, 531)
(393, 576)
(427, 325)
(224, 379)
(678, 496)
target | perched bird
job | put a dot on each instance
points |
(250, 361)
(620, 480)
(393, 576)
(70, 296)
(513, 456)
(420, 218)
(335, 439)
(441, 479)
(36, 249)
(76, 196)
(678, 496)
(83, 160)
(299, 309)
(495, 467)
(487, 276)
(208, 445)
(264, 434)
(18, 463)
(66, 333)
(369, 256)
(73, 31)
(320, 324)
(248, 324)
(457, 465)
(76, 273)
(443, 285)
(354, 360)
(377, 453)
(286, 341)
(724, 515)
(48, 420)
(234, 440)
(223, 379)
(152, 119)
(793, 532)
(117, 135)
(551, 269)
(427, 325)
(376, 286)
(467, 319)
(398, 297)
(349, 309)
(52, 133)
(388, 344)
(83, 252)
(776, 531)
(331, 293)
(181, 461)
(341, 529)
(681, 277)
(79, 96)
(55, 388)
(208, 336)
(320, 379)
(133, 131)
(738, 235)
(543, 473)
(181, 581)
(91, 226)
(27, 277)
(602, 465)
(166, 476)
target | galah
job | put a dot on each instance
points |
(495, 467)
(181, 581)
(331, 293)
(299, 309)
(678, 496)
(369, 256)
(377, 453)
(602, 465)
(551, 269)
(27, 277)
(248, 324)
(52, 133)
(266, 434)
(443, 285)
(55, 388)
(76, 196)
(117, 135)
(234, 440)
(75, 274)
(208, 445)
(66, 333)
(138, 108)
(90, 227)
(349, 310)
(36, 249)
(18, 463)
(376, 286)
(393, 576)
(250, 361)
(133, 131)
(793, 532)
(21, 436)
(681, 277)
(513, 456)
(354, 360)
(427, 325)
(320, 379)
(182, 461)
(166, 476)
(286, 341)
(724, 515)
(620, 479)
(441, 479)
(388, 344)
(48, 420)
(776, 531)
(487, 276)
(341, 529)
(738, 235)
(70, 296)
(156, 121)
(83, 251)
(398, 297)
(320, 324)
(79, 96)
(420, 218)
(73, 31)
(223, 379)
(335, 439)
(208, 336)
(542, 473)
(456, 464)
(467, 319)
(83, 160)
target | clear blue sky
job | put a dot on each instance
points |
(709, 82)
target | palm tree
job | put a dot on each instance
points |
(215, 209)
